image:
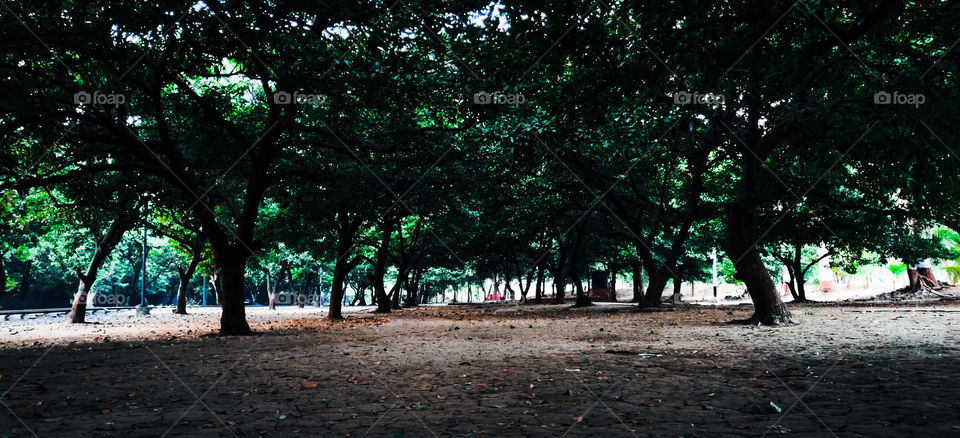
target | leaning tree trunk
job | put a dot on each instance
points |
(185, 277)
(740, 247)
(337, 290)
(104, 245)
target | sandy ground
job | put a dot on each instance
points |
(461, 371)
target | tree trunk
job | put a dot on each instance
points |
(538, 292)
(637, 282)
(508, 288)
(379, 271)
(613, 285)
(304, 288)
(3, 280)
(185, 277)
(676, 290)
(657, 282)
(103, 245)
(582, 299)
(740, 246)
(24, 285)
(336, 290)
(232, 266)
(271, 291)
(560, 286)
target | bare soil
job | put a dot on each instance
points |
(852, 370)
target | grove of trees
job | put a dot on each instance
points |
(308, 148)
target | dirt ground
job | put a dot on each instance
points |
(843, 370)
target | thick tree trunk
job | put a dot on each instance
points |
(740, 246)
(676, 290)
(582, 299)
(415, 293)
(233, 319)
(922, 278)
(560, 287)
(656, 283)
(769, 308)
(336, 291)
